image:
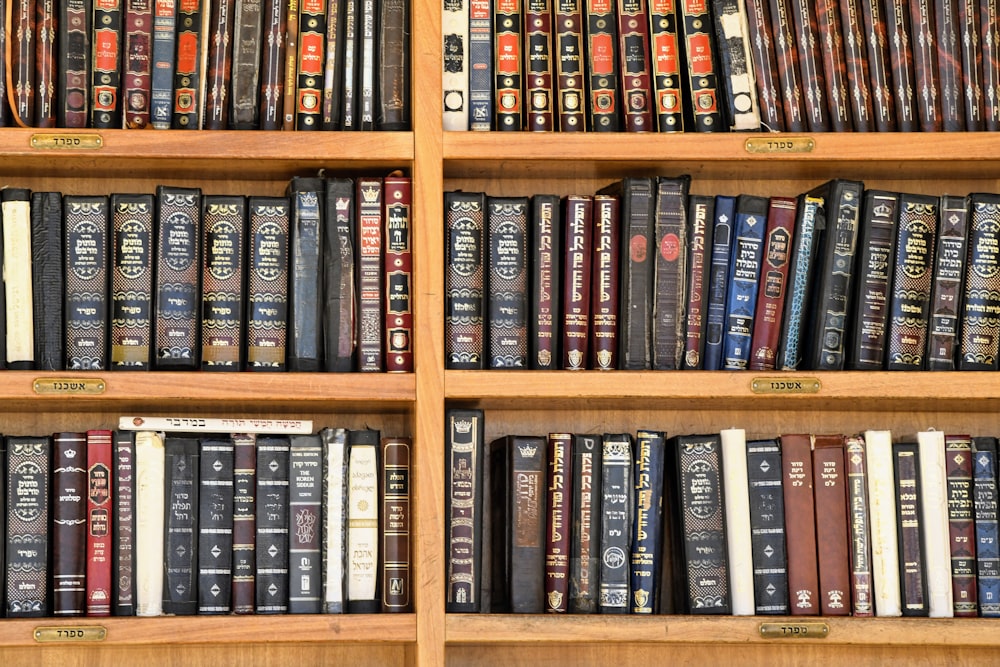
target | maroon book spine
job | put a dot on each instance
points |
(45, 63)
(989, 26)
(969, 39)
(853, 36)
(371, 310)
(22, 55)
(924, 36)
(558, 517)
(634, 58)
(604, 284)
(814, 86)
(220, 65)
(538, 64)
(99, 518)
(949, 59)
(879, 65)
(831, 47)
(577, 216)
(765, 65)
(961, 527)
(856, 464)
(700, 220)
(787, 59)
(800, 524)
(398, 275)
(272, 67)
(830, 484)
(899, 39)
(570, 87)
(773, 283)
(137, 65)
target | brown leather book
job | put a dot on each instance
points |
(909, 532)
(831, 42)
(873, 23)
(272, 66)
(904, 87)
(398, 275)
(670, 272)
(961, 528)
(971, 48)
(800, 524)
(765, 65)
(855, 40)
(787, 59)
(538, 65)
(137, 63)
(830, 491)
(395, 521)
(22, 60)
(45, 63)
(949, 60)
(989, 26)
(924, 36)
(813, 77)
(577, 212)
(220, 65)
(604, 284)
(558, 526)
(73, 83)
(773, 283)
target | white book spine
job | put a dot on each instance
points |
(735, 30)
(17, 280)
(737, 495)
(934, 523)
(455, 76)
(149, 465)
(216, 425)
(882, 500)
(335, 445)
(362, 526)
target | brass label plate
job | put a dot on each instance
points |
(785, 385)
(67, 142)
(812, 630)
(69, 386)
(71, 633)
(780, 145)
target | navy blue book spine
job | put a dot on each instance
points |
(647, 521)
(984, 489)
(715, 319)
(744, 279)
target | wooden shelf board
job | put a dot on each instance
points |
(260, 629)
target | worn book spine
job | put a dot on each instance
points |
(912, 575)
(814, 89)
(363, 536)
(984, 480)
(791, 88)
(970, 45)
(395, 571)
(178, 278)
(773, 287)
(604, 295)
(463, 509)
(604, 110)
(904, 85)
(767, 527)
(700, 216)
(163, 55)
(271, 550)
(980, 311)
(465, 217)
(21, 37)
(701, 66)
(28, 472)
(934, 523)
(180, 546)
(736, 77)
(906, 338)
(763, 61)
(585, 548)
(829, 34)
(455, 49)
(875, 265)
(949, 64)
(100, 507)
(946, 288)
(647, 522)
(832, 535)
(244, 86)
(508, 60)
(272, 65)
(538, 66)
(665, 64)
(334, 532)
(244, 558)
(961, 527)
(267, 283)
(309, 65)
(800, 524)
(371, 275)
(398, 264)
(523, 547)
(927, 39)
(149, 523)
(854, 39)
(670, 272)
(16, 209)
(123, 585)
(223, 315)
(507, 280)
(480, 65)
(718, 280)
(739, 546)
(856, 466)
(133, 225)
(882, 505)
(137, 63)
(989, 30)
(219, 66)
(557, 519)
(339, 243)
(305, 289)
(570, 95)
(744, 280)
(393, 105)
(73, 72)
(48, 280)
(544, 282)
(68, 533)
(616, 521)
(86, 270)
(46, 64)
(305, 512)
(874, 29)
(577, 273)
(215, 525)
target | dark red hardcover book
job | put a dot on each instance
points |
(100, 513)
(22, 60)
(873, 20)
(309, 66)
(904, 85)
(787, 59)
(856, 58)
(45, 63)
(545, 282)
(765, 65)
(604, 101)
(814, 88)
(395, 569)
(702, 81)
(220, 65)
(831, 44)
(924, 36)
(856, 465)
(558, 517)
(371, 309)
(664, 41)
(570, 71)
(949, 61)
(106, 63)
(538, 65)
(773, 287)
(830, 490)
(69, 524)
(604, 284)
(989, 27)
(398, 275)
(961, 528)
(634, 61)
(73, 71)
(701, 211)
(508, 63)
(577, 219)
(137, 63)
(272, 65)
(972, 62)
(800, 524)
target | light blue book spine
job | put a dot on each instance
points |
(800, 272)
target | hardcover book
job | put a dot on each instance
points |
(163, 56)
(86, 269)
(904, 85)
(912, 576)
(670, 272)
(576, 284)
(700, 218)
(305, 274)
(558, 512)
(180, 547)
(370, 274)
(604, 110)
(873, 19)
(946, 289)
(934, 523)
(604, 296)
(339, 287)
(764, 64)
(73, 71)
(367, 65)
(773, 288)
(46, 20)
(718, 277)
(106, 62)
(215, 525)
(744, 280)
(188, 66)
(634, 61)
(856, 462)
(123, 564)
(395, 569)
(305, 511)
(985, 520)
(701, 80)
(271, 550)
(463, 509)
(16, 209)
(508, 63)
(972, 43)
(480, 66)
(813, 77)
(363, 531)
(800, 524)
(48, 280)
(787, 60)
(616, 522)
(736, 77)
(570, 93)
(927, 39)
(27, 520)
(949, 64)
(767, 527)
(647, 521)
(150, 520)
(244, 557)
(585, 538)
(349, 91)
(989, 29)
(132, 251)
(309, 65)
(334, 533)
(538, 66)
(137, 63)
(981, 297)
(398, 275)
(665, 63)
(830, 492)
(100, 506)
(544, 282)
(739, 546)
(267, 283)
(958, 458)
(272, 65)
(855, 44)
(178, 278)
(508, 282)
(68, 533)
(223, 314)
(455, 55)
(835, 74)
(244, 87)
(882, 505)
(465, 216)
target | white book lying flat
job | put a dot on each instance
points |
(216, 425)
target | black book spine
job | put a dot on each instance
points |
(616, 523)
(604, 110)
(393, 66)
(267, 283)
(647, 521)
(47, 280)
(68, 535)
(465, 215)
(718, 280)
(178, 278)
(309, 65)
(507, 283)
(913, 581)
(339, 242)
(526, 514)
(86, 271)
(107, 73)
(463, 509)
(334, 66)
(27, 472)
(670, 272)
(244, 522)
(305, 496)
(245, 82)
(188, 69)
(305, 292)
(180, 546)
(544, 284)
(223, 314)
(946, 291)
(215, 526)
(767, 528)
(981, 299)
(271, 579)
(123, 564)
(132, 281)
(585, 541)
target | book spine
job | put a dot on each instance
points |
(855, 462)
(507, 26)
(739, 544)
(16, 210)
(984, 476)
(223, 318)
(339, 305)
(898, 36)
(350, 115)
(180, 553)
(647, 522)
(538, 65)
(527, 529)
(744, 280)
(244, 522)
(701, 211)
(570, 89)
(187, 68)
(480, 79)
(635, 285)
(219, 68)
(133, 227)
(635, 65)
(813, 78)
(395, 569)
(465, 215)
(99, 518)
(854, 38)
(68, 534)
(718, 283)
(123, 585)
(787, 61)
(906, 343)
(271, 549)
(455, 30)
(616, 522)
(934, 523)
(875, 263)
(28, 506)
(702, 73)
(961, 527)
(363, 550)
(670, 272)
(913, 582)
(48, 280)
(178, 278)
(736, 76)
(989, 30)
(393, 66)
(764, 65)
(46, 73)
(924, 52)
(946, 289)
(577, 272)
(604, 301)
(558, 514)
(767, 527)
(546, 269)
(398, 275)
(882, 502)
(305, 510)
(773, 285)
(245, 68)
(161, 96)
(22, 37)
(971, 83)
(305, 289)
(830, 490)
(73, 73)
(665, 65)
(830, 38)
(367, 65)
(508, 282)
(585, 551)
(137, 63)
(107, 39)
(272, 65)
(215, 526)
(981, 297)
(873, 18)
(86, 273)
(267, 283)
(464, 509)
(371, 242)
(800, 524)
(949, 63)
(604, 110)
(309, 65)
(334, 533)
(149, 525)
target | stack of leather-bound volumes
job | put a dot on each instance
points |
(869, 524)
(208, 64)
(771, 65)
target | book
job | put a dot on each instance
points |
(267, 283)
(764, 65)
(272, 65)
(829, 34)
(216, 492)
(576, 283)
(398, 265)
(507, 281)
(339, 244)
(912, 576)
(463, 509)
(178, 278)
(617, 506)
(934, 523)
(856, 461)
(99, 522)
(150, 499)
(882, 505)
(949, 64)
(830, 493)
(46, 72)
(363, 530)
(924, 53)
(244, 558)
(106, 35)
(309, 63)
(665, 65)
(370, 274)
(570, 59)
(773, 287)
(350, 92)
(220, 36)
(68, 532)
(946, 288)
(367, 65)
(465, 217)
(305, 275)
(984, 482)
(215, 425)
(989, 29)
(123, 543)
(480, 65)
(603, 108)
(132, 253)
(585, 546)
(455, 66)
(395, 571)
(875, 28)
(718, 280)
(545, 266)
(736, 76)
(700, 216)
(810, 224)
(981, 296)
(334, 532)
(787, 61)
(813, 76)
(508, 64)
(558, 461)
(87, 263)
(669, 272)
(767, 527)
(189, 70)
(800, 524)
(604, 271)
(538, 66)
(305, 513)
(647, 522)
(904, 86)
(739, 536)
(180, 547)
(244, 87)
(223, 311)
(854, 39)
(48, 280)
(163, 53)
(634, 65)
(958, 458)
(271, 548)
(28, 466)
(701, 76)
(749, 229)
(16, 210)
(137, 62)
(74, 62)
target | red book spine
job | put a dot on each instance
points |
(810, 65)
(829, 482)
(398, 276)
(604, 284)
(371, 314)
(45, 63)
(604, 102)
(576, 281)
(291, 63)
(800, 524)
(773, 283)
(99, 517)
(507, 59)
(634, 55)
(138, 61)
(961, 527)
(538, 64)
(558, 527)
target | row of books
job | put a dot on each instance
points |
(774, 65)
(147, 523)
(717, 523)
(645, 274)
(212, 64)
(315, 280)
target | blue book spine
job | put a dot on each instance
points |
(984, 480)
(481, 65)
(722, 239)
(800, 273)
(744, 277)
(161, 99)
(647, 521)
